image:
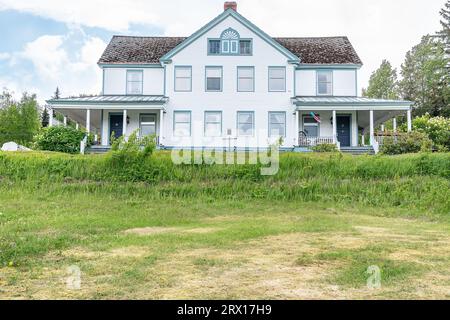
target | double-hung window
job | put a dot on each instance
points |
(182, 123)
(245, 123)
(213, 78)
(134, 82)
(183, 78)
(324, 83)
(310, 127)
(147, 124)
(277, 124)
(277, 79)
(213, 123)
(246, 79)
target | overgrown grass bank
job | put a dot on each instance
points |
(408, 181)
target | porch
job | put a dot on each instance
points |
(104, 116)
(346, 122)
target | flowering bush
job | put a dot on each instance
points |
(436, 128)
(60, 139)
(411, 142)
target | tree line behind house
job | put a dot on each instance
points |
(424, 75)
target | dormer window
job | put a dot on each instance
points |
(230, 44)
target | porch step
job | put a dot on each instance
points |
(98, 149)
(358, 150)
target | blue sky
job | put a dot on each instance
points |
(49, 43)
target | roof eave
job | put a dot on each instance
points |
(129, 65)
(329, 66)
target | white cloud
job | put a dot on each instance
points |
(117, 15)
(47, 55)
(4, 56)
(55, 65)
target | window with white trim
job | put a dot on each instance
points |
(147, 124)
(277, 124)
(246, 79)
(213, 123)
(134, 82)
(183, 79)
(324, 83)
(213, 78)
(245, 123)
(310, 127)
(181, 123)
(277, 79)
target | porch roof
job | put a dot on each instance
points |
(110, 100)
(357, 103)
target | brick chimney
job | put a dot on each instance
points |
(230, 5)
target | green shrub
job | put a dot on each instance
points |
(437, 129)
(60, 139)
(128, 156)
(325, 147)
(411, 142)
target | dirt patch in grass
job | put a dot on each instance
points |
(159, 230)
(150, 230)
(201, 230)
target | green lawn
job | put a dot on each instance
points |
(133, 240)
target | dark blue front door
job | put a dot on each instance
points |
(343, 130)
(116, 125)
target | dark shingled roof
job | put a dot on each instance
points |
(142, 50)
(127, 49)
(324, 50)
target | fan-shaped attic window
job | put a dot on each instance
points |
(230, 41)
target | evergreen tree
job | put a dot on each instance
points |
(383, 83)
(425, 78)
(445, 22)
(45, 118)
(57, 94)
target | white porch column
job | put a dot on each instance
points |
(161, 125)
(88, 120)
(65, 121)
(50, 117)
(124, 130)
(372, 129)
(394, 125)
(408, 115)
(334, 127)
(296, 127)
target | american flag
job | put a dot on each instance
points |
(316, 117)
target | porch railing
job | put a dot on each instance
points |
(306, 141)
(379, 137)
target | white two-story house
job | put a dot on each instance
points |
(231, 85)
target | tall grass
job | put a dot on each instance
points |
(410, 181)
